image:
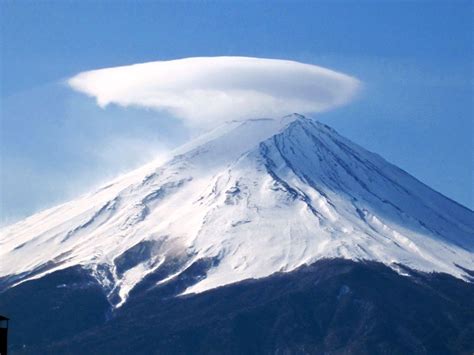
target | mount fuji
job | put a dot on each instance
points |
(251, 202)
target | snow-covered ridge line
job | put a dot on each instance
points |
(256, 196)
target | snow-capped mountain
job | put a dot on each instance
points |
(253, 198)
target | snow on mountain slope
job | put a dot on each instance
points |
(257, 197)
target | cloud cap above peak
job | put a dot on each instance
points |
(205, 90)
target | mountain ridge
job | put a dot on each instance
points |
(257, 197)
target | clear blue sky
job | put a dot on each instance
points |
(414, 57)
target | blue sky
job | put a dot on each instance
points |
(414, 58)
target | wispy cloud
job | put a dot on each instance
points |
(205, 90)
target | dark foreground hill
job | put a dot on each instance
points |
(331, 307)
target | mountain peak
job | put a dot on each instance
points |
(246, 200)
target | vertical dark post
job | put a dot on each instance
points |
(3, 335)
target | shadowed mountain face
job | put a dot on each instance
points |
(331, 307)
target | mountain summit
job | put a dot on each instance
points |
(244, 201)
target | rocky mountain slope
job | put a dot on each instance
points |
(246, 200)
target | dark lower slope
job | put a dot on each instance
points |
(330, 307)
(53, 307)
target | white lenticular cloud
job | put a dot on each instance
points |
(205, 90)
